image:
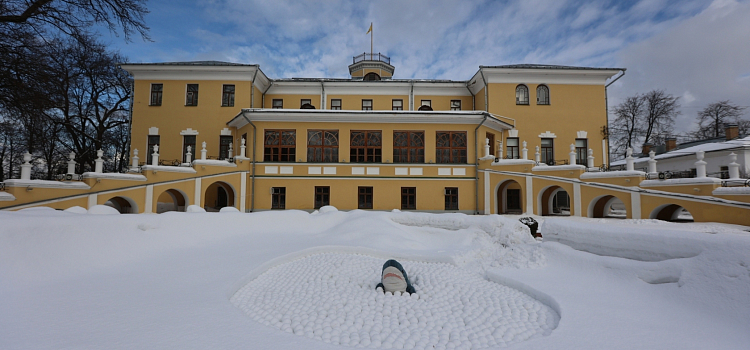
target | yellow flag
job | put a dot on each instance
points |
(369, 30)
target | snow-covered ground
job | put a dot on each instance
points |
(293, 280)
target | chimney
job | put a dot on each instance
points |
(671, 143)
(732, 131)
(646, 148)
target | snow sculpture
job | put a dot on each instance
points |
(394, 278)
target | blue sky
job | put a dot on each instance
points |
(696, 49)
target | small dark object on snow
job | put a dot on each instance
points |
(394, 279)
(531, 223)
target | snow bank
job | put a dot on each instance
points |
(77, 210)
(195, 209)
(103, 210)
(229, 210)
(332, 297)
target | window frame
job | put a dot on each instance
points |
(227, 97)
(159, 94)
(334, 154)
(150, 147)
(547, 153)
(451, 198)
(539, 101)
(428, 104)
(520, 88)
(362, 154)
(461, 158)
(302, 102)
(322, 196)
(191, 97)
(284, 152)
(365, 108)
(365, 197)
(408, 198)
(278, 197)
(582, 152)
(336, 108)
(280, 103)
(185, 144)
(397, 108)
(456, 107)
(224, 146)
(512, 152)
(397, 157)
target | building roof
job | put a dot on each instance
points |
(548, 66)
(191, 63)
(691, 150)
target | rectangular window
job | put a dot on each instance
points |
(451, 198)
(366, 105)
(366, 147)
(279, 145)
(582, 151)
(364, 198)
(277, 103)
(408, 198)
(427, 103)
(322, 196)
(227, 96)
(188, 141)
(512, 151)
(278, 197)
(191, 97)
(408, 146)
(305, 101)
(336, 104)
(455, 105)
(224, 142)
(322, 146)
(398, 105)
(491, 141)
(548, 154)
(156, 92)
(450, 147)
(153, 140)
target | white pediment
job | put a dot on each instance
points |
(226, 132)
(153, 130)
(547, 135)
(581, 134)
(513, 133)
(189, 131)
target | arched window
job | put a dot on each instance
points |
(371, 77)
(522, 95)
(542, 95)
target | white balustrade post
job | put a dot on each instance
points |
(99, 162)
(155, 156)
(189, 155)
(203, 151)
(629, 160)
(537, 155)
(652, 163)
(734, 168)
(590, 162)
(230, 151)
(700, 165)
(572, 154)
(26, 167)
(525, 151)
(72, 163)
(486, 147)
(242, 148)
(135, 160)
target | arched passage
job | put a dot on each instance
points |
(554, 200)
(509, 197)
(671, 212)
(219, 195)
(124, 205)
(607, 206)
(171, 200)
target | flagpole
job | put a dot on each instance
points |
(371, 37)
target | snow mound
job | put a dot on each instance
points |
(229, 210)
(328, 209)
(103, 210)
(195, 209)
(77, 210)
(37, 209)
(451, 308)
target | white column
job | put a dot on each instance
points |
(243, 190)
(525, 151)
(635, 205)
(629, 160)
(99, 162)
(572, 154)
(189, 155)
(93, 199)
(198, 192)
(590, 162)
(529, 195)
(486, 147)
(203, 151)
(652, 163)
(26, 167)
(242, 148)
(577, 199)
(734, 167)
(487, 193)
(537, 155)
(72, 163)
(700, 165)
(148, 208)
(155, 156)
(135, 160)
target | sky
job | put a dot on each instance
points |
(698, 50)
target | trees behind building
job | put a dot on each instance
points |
(643, 118)
(713, 118)
(60, 89)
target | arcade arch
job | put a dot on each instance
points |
(124, 205)
(671, 212)
(553, 200)
(171, 200)
(219, 195)
(509, 197)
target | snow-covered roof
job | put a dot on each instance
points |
(690, 151)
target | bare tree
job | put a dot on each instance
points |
(643, 118)
(711, 119)
(625, 129)
(661, 110)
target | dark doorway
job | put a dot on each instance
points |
(514, 201)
